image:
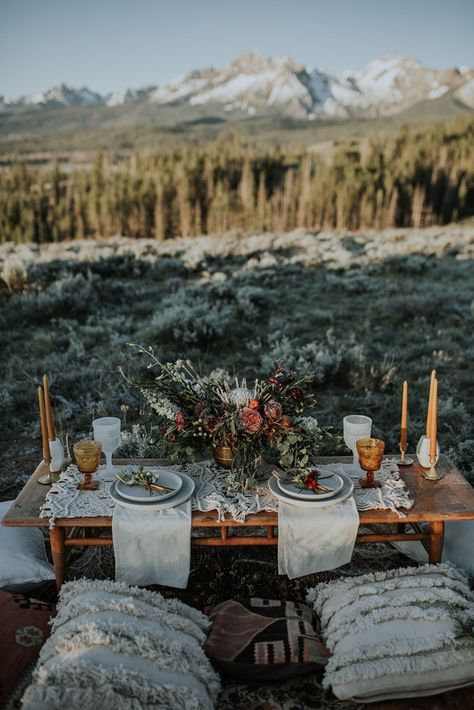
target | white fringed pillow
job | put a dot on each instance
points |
(395, 634)
(116, 647)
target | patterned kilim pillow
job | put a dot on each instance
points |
(269, 640)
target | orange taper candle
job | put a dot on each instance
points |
(44, 426)
(403, 432)
(430, 404)
(49, 411)
(434, 421)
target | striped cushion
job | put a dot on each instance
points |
(268, 640)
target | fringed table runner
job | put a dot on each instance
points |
(213, 492)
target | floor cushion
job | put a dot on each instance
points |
(399, 633)
(458, 547)
(24, 627)
(115, 646)
(265, 640)
(23, 558)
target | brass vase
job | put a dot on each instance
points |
(223, 456)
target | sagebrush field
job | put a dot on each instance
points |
(362, 312)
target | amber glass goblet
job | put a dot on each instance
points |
(370, 457)
(87, 455)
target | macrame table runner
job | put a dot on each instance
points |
(213, 492)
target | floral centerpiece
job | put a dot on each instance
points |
(240, 422)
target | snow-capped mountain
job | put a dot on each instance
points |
(255, 83)
(63, 95)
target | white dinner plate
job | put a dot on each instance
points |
(141, 494)
(344, 493)
(186, 491)
(334, 482)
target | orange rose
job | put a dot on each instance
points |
(250, 420)
(253, 404)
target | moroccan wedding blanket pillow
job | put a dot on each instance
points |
(116, 647)
(395, 634)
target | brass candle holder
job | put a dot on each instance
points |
(404, 460)
(87, 455)
(432, 474)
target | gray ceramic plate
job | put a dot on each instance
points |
(187, 489)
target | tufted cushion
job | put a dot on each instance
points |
(115, 646)
(270, 640)
(396, 634)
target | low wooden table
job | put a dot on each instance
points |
(451, 498)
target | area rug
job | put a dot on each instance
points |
(218, 574)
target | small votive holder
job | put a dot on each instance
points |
(87, 454)
(47, 478)
(423, 452)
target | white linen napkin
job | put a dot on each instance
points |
(315, 539)
(152, 547)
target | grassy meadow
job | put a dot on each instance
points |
(363, 311)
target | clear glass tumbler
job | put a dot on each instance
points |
(107, 431)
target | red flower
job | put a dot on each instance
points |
(253, 404)
(250, 420)
(179, 420)
(285, 422)
(296, 393)
(210, 423)
(273, 410)
(275, 382)
(311, 481)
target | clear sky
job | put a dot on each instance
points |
(115, 44)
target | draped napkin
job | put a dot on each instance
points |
(152, 547)
(315, 539)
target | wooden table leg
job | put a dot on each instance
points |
(58, 552)
(436, 541)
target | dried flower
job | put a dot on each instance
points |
(253, 404)
(273, 410)
(210, 423)
(286, 422)
(199, 409)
